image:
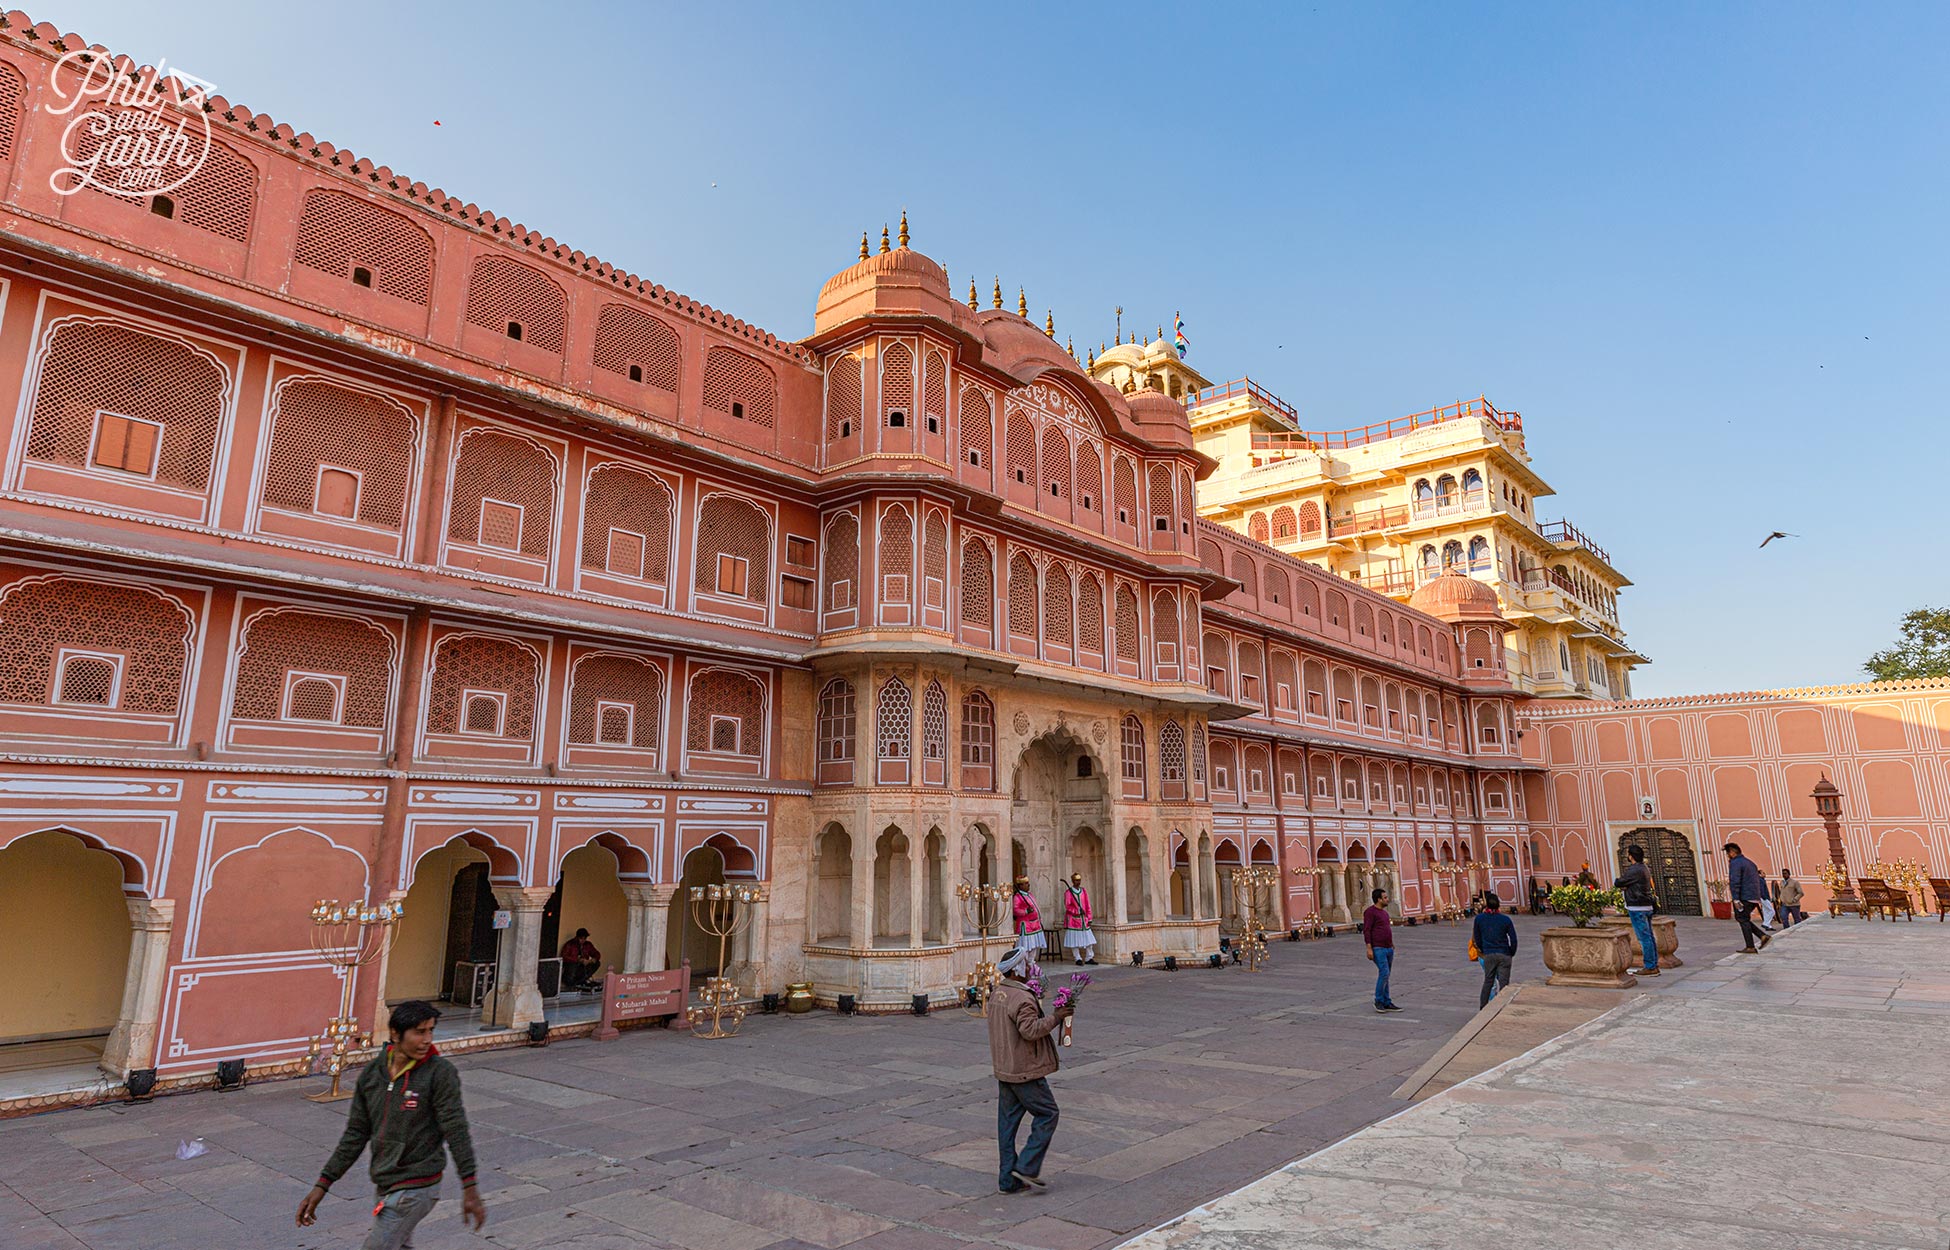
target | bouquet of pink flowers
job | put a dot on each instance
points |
(1067, 996)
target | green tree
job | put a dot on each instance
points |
(1923, 651)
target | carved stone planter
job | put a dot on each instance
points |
(1665, 935)
(1597, 957)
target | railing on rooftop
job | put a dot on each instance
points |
(1551, 579)
(1367, 521)
(1405, 581)
(1567, 533)
(1303, 441)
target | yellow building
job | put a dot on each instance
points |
(1393, 505)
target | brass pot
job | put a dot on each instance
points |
(799, 997)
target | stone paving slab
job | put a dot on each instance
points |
(1746, 1106)
(876, 1133)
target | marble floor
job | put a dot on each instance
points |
(1799, 1097)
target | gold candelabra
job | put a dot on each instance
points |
(348, 936)
(982, 906)
(722, 912)
(1246, 885)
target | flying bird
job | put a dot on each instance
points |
(1776, 534)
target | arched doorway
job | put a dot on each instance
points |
(1675, 868)
(1178, 902)
(588, 895)
(1058, 787)
(1225, 862)
(892, 890)
(65, 928)
(703, 866)
(447, 930)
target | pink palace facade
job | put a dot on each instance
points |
(357, 543)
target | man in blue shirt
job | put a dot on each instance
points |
(1495, 935)
(1748, 888)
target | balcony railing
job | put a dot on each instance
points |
(1367, 521)
(1307, 440)
(1551, 579)
(1454, 504)
(1405, 581)
(1567, 534)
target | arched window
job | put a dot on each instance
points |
(638, 347)
(1472, 482)
(977, 584)
(1056, 463)
(894, 730)
(842, 553)
(338, 232)
(1445, 489)
(1125, 485)
(1159, 490)
(110, 397)
(1171, 761)
(734, 549)
(1127, 625)
(1090, 613)
(616, 700)
(1022, 449)
(1430, 562)
(727, 713)
(1479, 554)
(1284, 523)
(1452, 554)
(896, 554)
(836, 732)
(977, 427)
(509, 298)
(1022, 596)
(1057, 614)
(897, 384)
(977, 742)
(934, 723)
(483, 685)
(312, 666)
(1256, 528)
(626, 524)
(1090, 477)
(339, 451)
(503, 494)
(739, 386)
(934, 560)
(845, 387)
(1164, 626)
(1423, 491)
(1198, 759)
(1131, 757)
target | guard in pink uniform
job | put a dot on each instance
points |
(1029, 919)
(1078, 940)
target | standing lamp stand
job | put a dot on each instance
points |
(347, 936)
(721, 911)
(982, 906)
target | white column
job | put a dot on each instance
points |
(518, 998)
(646, 946)
(132, 1043)
(861, 937)
(917, 891)
(1119, 909)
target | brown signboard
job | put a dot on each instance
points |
(642, 996)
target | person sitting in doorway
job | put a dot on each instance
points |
(580, 961)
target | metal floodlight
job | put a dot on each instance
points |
(1137, 959)
(769, 1004)
(1214, 960)
(1225, 944)
(538, 1033)
(848, 1004)
(230, 1074)
(920, 1004)
(1171, 963)
(1293, 935)
(974, 996)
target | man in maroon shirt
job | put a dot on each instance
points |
(1379, 933)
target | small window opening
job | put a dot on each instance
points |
(1084, 766)
(897, 419)
(1021, 476)
(975, 458)
(636, 373)
(1164, 524)
(514, 331)
(361, 276)
(162, 206)
(738, 409)
(1086, 503)
(846, 429)
(934, 425)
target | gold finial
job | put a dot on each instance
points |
(1161, 332)
(1070, 346)
(1093, 361)
(1130, 386)
(1022, 304)
(863, 245)
(884, 247)
(1049, 323)
(972, 302)
(903, 227)
(1100, 347)
(998, 292)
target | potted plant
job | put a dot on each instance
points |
(1585, 952)
(1716, 889)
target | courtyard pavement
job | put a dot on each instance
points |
(1798, 1098)
(813, 1130)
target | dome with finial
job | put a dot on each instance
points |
(1456, 596)
(894, 278)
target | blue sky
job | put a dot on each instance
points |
(1700, 247)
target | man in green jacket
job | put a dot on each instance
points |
(407, 1105)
